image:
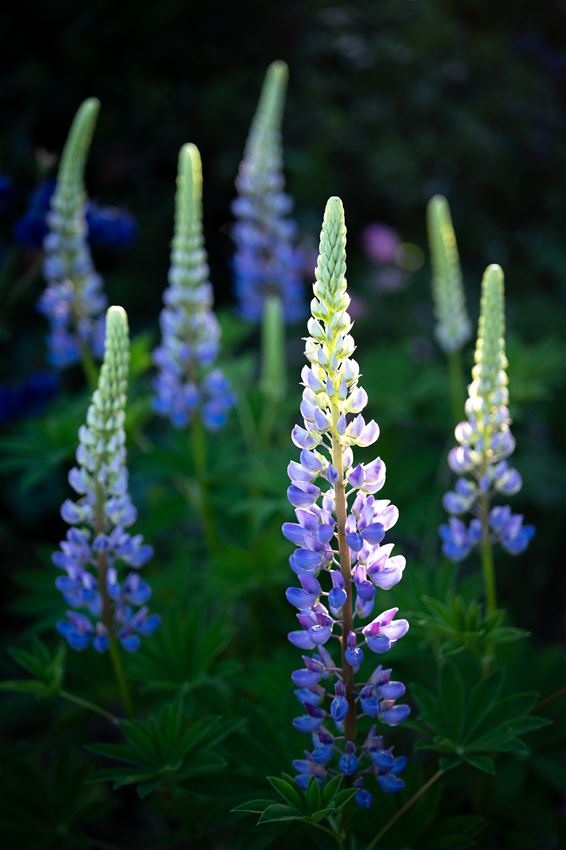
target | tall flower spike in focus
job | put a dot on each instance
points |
(341, 560)
(100, 559)
(485, 443)
(267, 261)
(453, 328)
(73, 301)
(188, 385)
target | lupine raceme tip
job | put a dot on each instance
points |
(73, 300)
(266, 261)
(453, 327)
(188, 384)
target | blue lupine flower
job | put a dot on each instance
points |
(100, 559)
(73, 300)
(110, 226)
(267, 261)
(188, 383)
(6, 192)
(27, 398)
(339, 537)
(31, 228)
(485, 444)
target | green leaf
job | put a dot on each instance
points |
(483, 763)
(254, 807)
(279, 812)
(313, 795)
(331, 788)
(288, 791)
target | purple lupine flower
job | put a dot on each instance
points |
(30, 229)
(341, 562)
(73, 301)
(112, 227)
(485, 443)
(267, 260)
(100, 558)
(188, 384)
(27, 398)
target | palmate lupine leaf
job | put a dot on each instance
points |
(313, 805)
(470, 725)
(165, 748)
(464, 625)
(185, 654)
(47, 670)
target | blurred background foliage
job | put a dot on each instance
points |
(388, 104)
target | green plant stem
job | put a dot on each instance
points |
(488, 568)
(457, 385)
(270, 409)
(90, 706)
(434, 778)
(121, 681)
(199, 450)
(89, 368)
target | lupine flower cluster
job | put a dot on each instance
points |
(187, 384)
(74, 300)
(105, 604)
(453, 327)
(341, 560)
(266, 260)
(485, 443)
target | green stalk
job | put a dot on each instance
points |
(457, 385)
(422, 790)
(488, 567)
(90, 706)
(89, 368)
(199, 451)
(121, 681)
(273, 379)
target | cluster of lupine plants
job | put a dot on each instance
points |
(246, 707)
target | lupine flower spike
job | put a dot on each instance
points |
(99, 558)
(188, 385)
(73, 301)
(266, 260)
(453, 328)
(341, 560)
(485, 444)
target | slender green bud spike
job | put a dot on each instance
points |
(264, 138)
(330, 323)
(330, 272)
(109, 400)
(189, 191)
(452, 324)
(489, 378)
(70, 178)
(273, 382)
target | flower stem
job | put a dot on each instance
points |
(90, 706)
(346, 569)
(108, 620)
(457, 385)
(199, 450)
(422, 790)
(487, 564)
(89, 367)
